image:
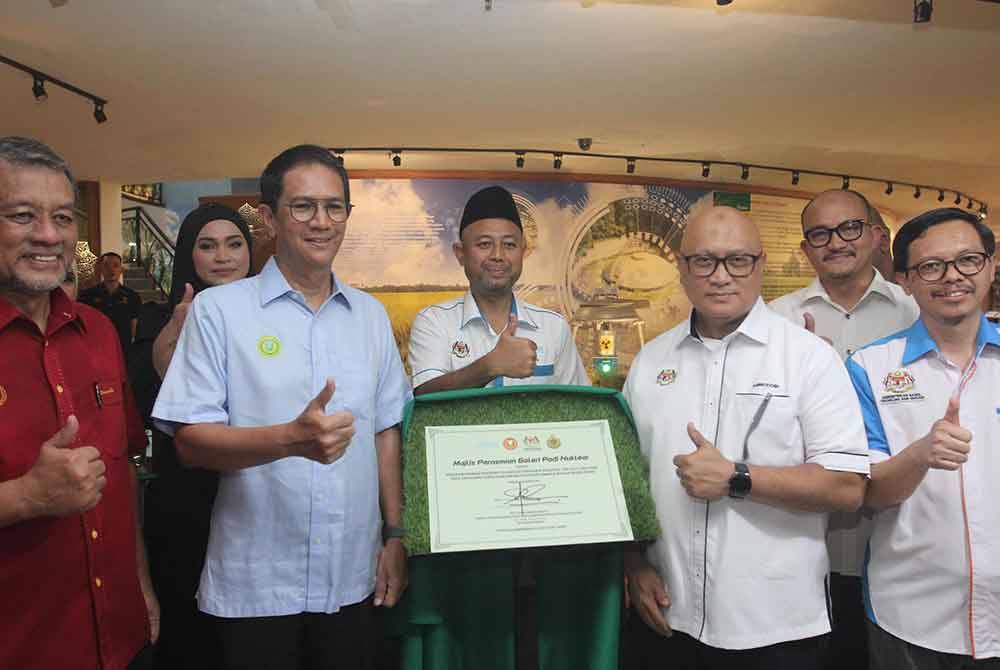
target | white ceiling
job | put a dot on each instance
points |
(212, 88)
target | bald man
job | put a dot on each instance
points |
(849, 304)
(752, 438)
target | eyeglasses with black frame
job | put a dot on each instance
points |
(737, 265)
(304, 210)
(848, 231)
(934, 269)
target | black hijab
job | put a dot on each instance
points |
(184, 256)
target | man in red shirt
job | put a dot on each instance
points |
(75, 589)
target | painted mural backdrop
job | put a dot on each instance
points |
(604, 255)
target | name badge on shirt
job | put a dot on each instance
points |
(900, 386)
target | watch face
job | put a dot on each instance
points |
(739, 485)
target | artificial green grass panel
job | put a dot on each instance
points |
(521, 404)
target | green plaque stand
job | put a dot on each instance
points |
(459, 610)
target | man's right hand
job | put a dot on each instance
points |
(64, 480)
(513, 357)
(947, 445)
(647, 594)
(319, 436)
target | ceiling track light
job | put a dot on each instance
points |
(983, 210)
(846, 181)
(723, 3)
(969, 206)
(38, 90)
(39, 79)
(922, 10)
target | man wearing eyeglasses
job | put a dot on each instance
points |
(929, 399)
(752, 437)
(290, 383)
(850, 304)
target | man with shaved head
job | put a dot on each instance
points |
(850, 304)
(752, 437)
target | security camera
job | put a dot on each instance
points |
(584, 143)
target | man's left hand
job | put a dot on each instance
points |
(704, 473)
(390, 575)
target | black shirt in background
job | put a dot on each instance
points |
(121, 307)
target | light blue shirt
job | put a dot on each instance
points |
(293, 535)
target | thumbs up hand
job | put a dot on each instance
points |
(947, 445)
(705, 472)
(319, 436)
(65, 479)
(513, 356)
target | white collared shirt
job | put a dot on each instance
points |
(883, 309)
(742, 574)
(933, 573)
(450, 335)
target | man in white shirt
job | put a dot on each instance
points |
(849, 304)
(929, 398)
(488, 336)
(752, 438)
(882, 256)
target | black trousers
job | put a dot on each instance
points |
(341, 641)
(645, 650)
(849, 640)
(888, 652)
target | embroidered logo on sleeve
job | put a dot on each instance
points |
(459, 349)
(666, 377)
(268, 346)
(900, 386)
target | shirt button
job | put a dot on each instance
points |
(59, 388)
(847, 316)
(93, 535)
(98, 582)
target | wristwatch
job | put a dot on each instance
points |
(389, 532)
(740, 483)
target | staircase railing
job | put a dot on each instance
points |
(148, 247)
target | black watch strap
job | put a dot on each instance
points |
(389, 532)
(740, 483)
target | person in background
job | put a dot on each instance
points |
(929, 398)
(117, 301)
(73, 578)
(214, 247)
(849, 304)
(71, 282)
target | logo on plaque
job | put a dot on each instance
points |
(531, 441)
(553, 442)
(510, 444)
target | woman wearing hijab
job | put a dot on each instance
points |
(213, 247)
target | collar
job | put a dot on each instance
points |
(62, 311)
(273, 285)
(754, 325)
(470, 311)
(815, 290)
(919, 341)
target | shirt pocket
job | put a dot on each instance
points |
(768, 432)
(109, 430)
